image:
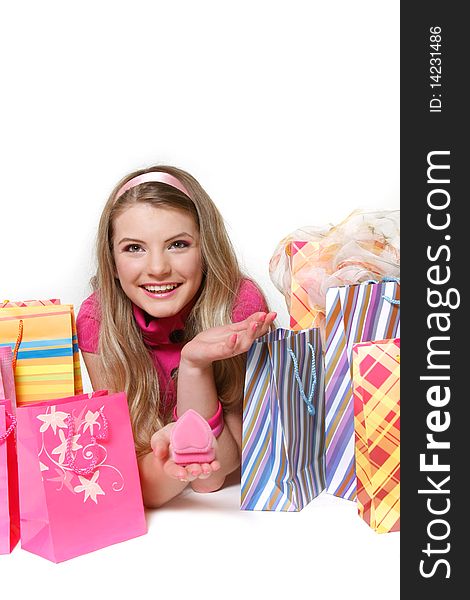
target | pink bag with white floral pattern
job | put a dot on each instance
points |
(78, 476)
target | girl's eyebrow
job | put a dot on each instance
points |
(183, 233)
(131, 240)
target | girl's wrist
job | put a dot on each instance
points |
(215, 422)
(189, 364)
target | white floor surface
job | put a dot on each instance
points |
(203, 547)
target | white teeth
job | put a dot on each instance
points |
(160, 288)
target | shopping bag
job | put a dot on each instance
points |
(283, 422)
(311, 259)
(45, 337)
(376, 385)
(355, 313)
(7, 378)
(78, 476)
(304, 313)
(9, 505)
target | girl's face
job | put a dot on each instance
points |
(157, 257)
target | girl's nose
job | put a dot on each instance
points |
(158, 265)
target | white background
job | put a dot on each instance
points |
(288, 115)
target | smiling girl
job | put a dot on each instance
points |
(170, 320)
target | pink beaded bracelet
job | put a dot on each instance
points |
(216, 423)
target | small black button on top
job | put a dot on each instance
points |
(177, 336)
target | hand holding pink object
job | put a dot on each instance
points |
(192, 440)
(163, 452)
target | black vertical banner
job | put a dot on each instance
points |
(435, 365)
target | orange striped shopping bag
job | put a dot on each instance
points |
(43, 336)
(376, 386)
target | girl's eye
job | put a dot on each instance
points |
(179, 244)
(133, 248)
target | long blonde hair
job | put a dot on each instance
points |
(126, 362)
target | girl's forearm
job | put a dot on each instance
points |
(229, 457)
(157, 487)
(196, 390)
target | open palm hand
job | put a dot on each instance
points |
(219, 343)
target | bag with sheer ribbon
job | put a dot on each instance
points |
(364, 246)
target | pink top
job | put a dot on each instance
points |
(162, 336)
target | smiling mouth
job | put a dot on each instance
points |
(160, 289)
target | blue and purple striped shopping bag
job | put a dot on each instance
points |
(354, 313)
(283, 422)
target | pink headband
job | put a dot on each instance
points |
(158, 177)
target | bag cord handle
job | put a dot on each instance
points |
(19, 339)
(69, 459)
(308, 401)
(12, 418)
(386, 280)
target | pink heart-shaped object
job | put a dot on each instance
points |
(192, 440)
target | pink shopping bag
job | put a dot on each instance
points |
(78, 476)
(9, 506)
